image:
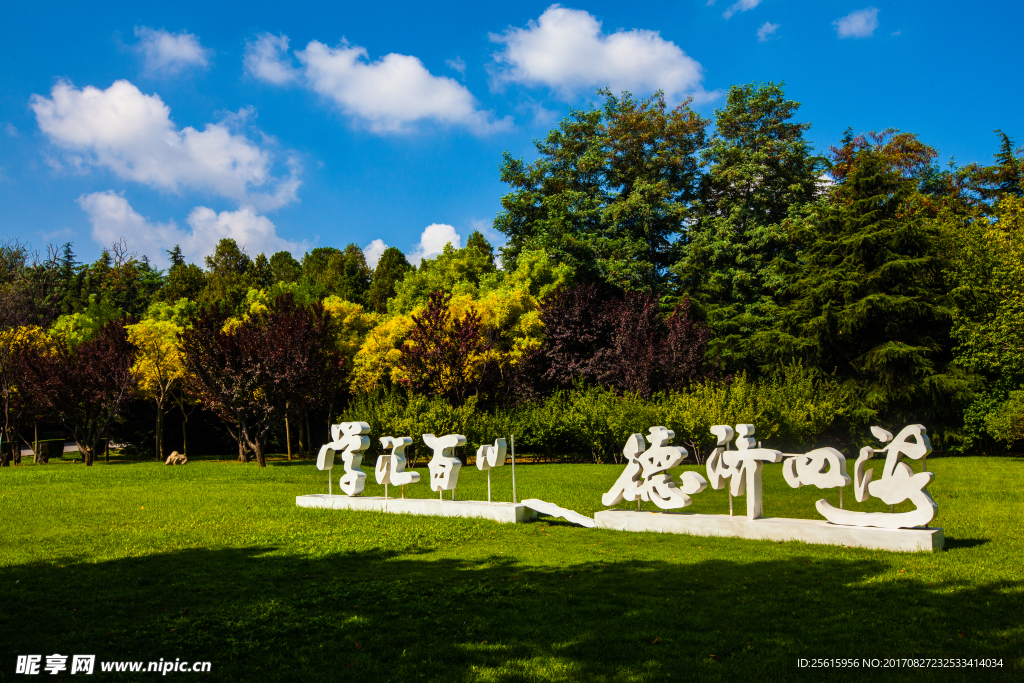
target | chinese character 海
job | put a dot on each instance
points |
(898, 483)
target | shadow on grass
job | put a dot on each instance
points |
(963, 543)
(260, 615)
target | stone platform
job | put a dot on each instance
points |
(498, 512)
(772, 528)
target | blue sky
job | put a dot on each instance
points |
(295, 125)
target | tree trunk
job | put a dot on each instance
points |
(156, 433)
(159, 432)
(309, 435)
(184, 435)
(35, 442)
(287, 435)
(241, 449)
(258, 447)
(302, 439)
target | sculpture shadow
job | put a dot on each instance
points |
(963, 543)
(259, 614)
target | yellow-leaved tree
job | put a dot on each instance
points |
(158, 370)
(508, 305)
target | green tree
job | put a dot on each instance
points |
(1005, 177)
(354, 275)
(868, 302)
(458, 271)
(985, 262)
(391, 269)
(227, 279)
(759, 166)
(175, 256)
(284, 267)
(261, 274)
(184, 281)
(611, 192)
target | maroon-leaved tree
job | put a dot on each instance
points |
(623, 343)
(82, 387)
(440, 355)
(248, 372)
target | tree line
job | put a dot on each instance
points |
(651, 254)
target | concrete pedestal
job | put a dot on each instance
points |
(499, 512)
(772, 528)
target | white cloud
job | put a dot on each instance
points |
(267, 59)
(250, 230)
(766, 31)
(433, 240)
(393, 92)
(740, 6)
(566, 51)
(113, 218)
(11, 130)
(132, 134)
(859, 24)
(390, 94)
(166, 53)
(372, 252)
(458, 64)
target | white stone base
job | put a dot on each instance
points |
(499, 512)
(772, 528)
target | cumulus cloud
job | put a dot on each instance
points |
(132, 134)
(740, 6)
(390, 94)
(372, 252)
(113, 218)
(165, 53)
(393, 92)
(435, 236)
(766, 31)
(859, 24)
(267, 59)
(566, 50)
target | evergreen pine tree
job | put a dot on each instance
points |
(867, 300)
(390, 270)
(284, 268)
(759, 166)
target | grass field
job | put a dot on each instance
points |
(214, 562)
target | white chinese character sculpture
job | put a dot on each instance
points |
(348, 438)
(898, 483)
(488, 457)
(644, 477)
(822, 467)
(390, 467)
(444, 467)
(742, 466)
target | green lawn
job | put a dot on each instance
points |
(213, 561)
